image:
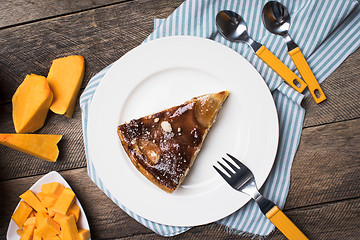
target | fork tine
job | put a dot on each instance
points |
(231, 165)
(226, 169)
(222, 174)
(240, 164)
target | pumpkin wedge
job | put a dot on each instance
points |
(43, 146)
(31, 103)
(65, 77)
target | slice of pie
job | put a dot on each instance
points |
(164, 145)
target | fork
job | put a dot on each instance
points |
(242, 179)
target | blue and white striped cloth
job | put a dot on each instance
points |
(326, 32)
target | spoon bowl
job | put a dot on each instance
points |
(231, 26)
(276, 18)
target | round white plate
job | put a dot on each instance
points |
(36, 188)
(164, 73)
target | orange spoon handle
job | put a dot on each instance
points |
(308, 76)
(281, 69)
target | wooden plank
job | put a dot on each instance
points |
(22, 11)
(327, 165)
(101, 35)
(107, 221)
(343, 94)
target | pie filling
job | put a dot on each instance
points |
(166, 143)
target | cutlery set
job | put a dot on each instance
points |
(276, 19)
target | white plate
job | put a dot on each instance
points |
(164, 73)
(36, 188)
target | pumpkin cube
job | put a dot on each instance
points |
(48, 228)
(52, 238)
(21, 214)
(52, 188)
(31, 103)
(69, 230)
(30, 198)
(74, 210)
(28, 233)
(57, 217)
(39, 145)
(40, 216)
(65, 77)
(47, 200)
(36, 235)
(64, 202)
(30, 221)
(84, 234)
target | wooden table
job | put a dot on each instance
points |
(324, 197)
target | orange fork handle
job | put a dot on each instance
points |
(308, 76)
(284, 224)
(281, 69)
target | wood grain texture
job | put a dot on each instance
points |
(107, 221)
(22, 11)
(327, 165)
(343, 95)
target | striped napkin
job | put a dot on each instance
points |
(326, 32)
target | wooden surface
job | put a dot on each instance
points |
(324, 193)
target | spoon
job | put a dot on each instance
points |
(233, 28)
(276, 19)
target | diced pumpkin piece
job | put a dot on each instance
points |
(28, 233)
(40, 196)
(31, 103)
(39, 145)
(52, 188)
(21, 214)
(47, 200)
(30, 221)
(48, 228)
(58, 216)
(84, 234)
(40, 217)
(65, 77)
(74, 210)
(20, 232)
(64, 202)
(52, 238)
(36, 235)
(69, 229)
(30, 198)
